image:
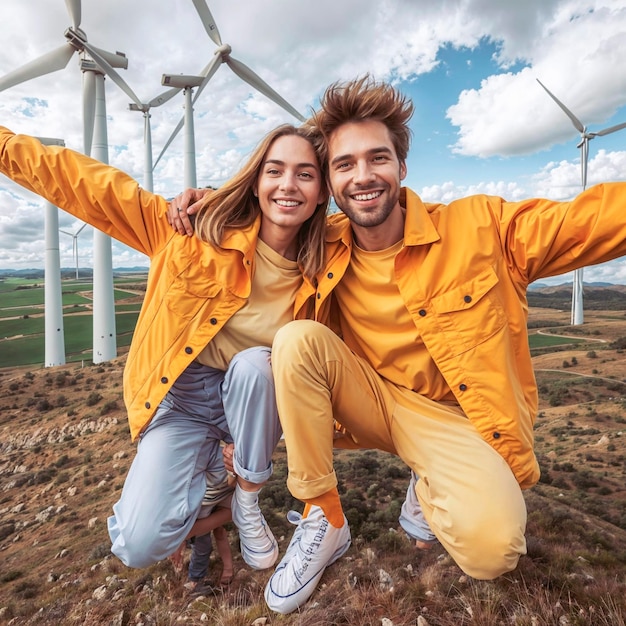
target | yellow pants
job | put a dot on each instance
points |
(467, 491)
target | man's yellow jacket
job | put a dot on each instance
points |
(463, 273)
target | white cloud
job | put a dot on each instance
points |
(577, 54)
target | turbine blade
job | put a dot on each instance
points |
(611, 129)
(51, 62)
(246, 74)
(114, 59)
(78, 231)
(162, 98)
(112, 74)
(577, 123)
(169, 141)
(89, 110)
(207, 20)
(208, 72)
(73, 8)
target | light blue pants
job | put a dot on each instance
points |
(412, 517)
(163, 491)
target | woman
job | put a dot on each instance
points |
(198, 368)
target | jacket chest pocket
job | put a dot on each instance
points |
(188, 290)
(470, 313)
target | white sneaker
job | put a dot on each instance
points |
(258, 546)
(315, 544)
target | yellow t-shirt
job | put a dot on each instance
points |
(275, 281)
(377, 326)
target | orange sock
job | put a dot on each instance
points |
(329, 503)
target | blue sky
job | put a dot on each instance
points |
(482, 123)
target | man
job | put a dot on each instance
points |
(430, 358)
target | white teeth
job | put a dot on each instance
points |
(287, 203)
(368, 196)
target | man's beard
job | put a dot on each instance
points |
(369, 219)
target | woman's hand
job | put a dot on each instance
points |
(227, 451)
(182, 206)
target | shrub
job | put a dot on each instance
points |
(61, 400)
(44, 405)
(93, 399)
(108, 407)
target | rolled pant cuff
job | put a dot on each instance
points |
(254, 477)
(308, 489)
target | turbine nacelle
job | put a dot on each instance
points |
(181, 81)
(144, 108)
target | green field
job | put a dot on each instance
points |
(23, 300)
(78, 331)
(545, 341)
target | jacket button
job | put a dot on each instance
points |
(422, 312)
(147, 405)
(467, 298)
(213, 321)
(496, 435)
(330, 274)
(463, 387)
(188, 350)
(164, 380)
(319, 295)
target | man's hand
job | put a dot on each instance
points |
(182, 206)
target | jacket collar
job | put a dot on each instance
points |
(243, 239)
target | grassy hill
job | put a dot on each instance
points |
(65, 450)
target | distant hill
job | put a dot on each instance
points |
(596, 296)
(66, 272)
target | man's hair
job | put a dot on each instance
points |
(234, 205)
(360, 100)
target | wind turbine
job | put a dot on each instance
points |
(95, 63)
(577, 315)
(54, 335)
(74, 237)
(186, 83)
(221, 55)
(144, 107)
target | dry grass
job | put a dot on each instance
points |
(65, 452)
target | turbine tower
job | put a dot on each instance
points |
(144, 107)
(54, 334)
(187, 83)
(221, 55)
(95, 63)
(577, 315)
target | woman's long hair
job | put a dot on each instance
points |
(234, 205)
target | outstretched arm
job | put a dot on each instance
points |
(96, 193)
